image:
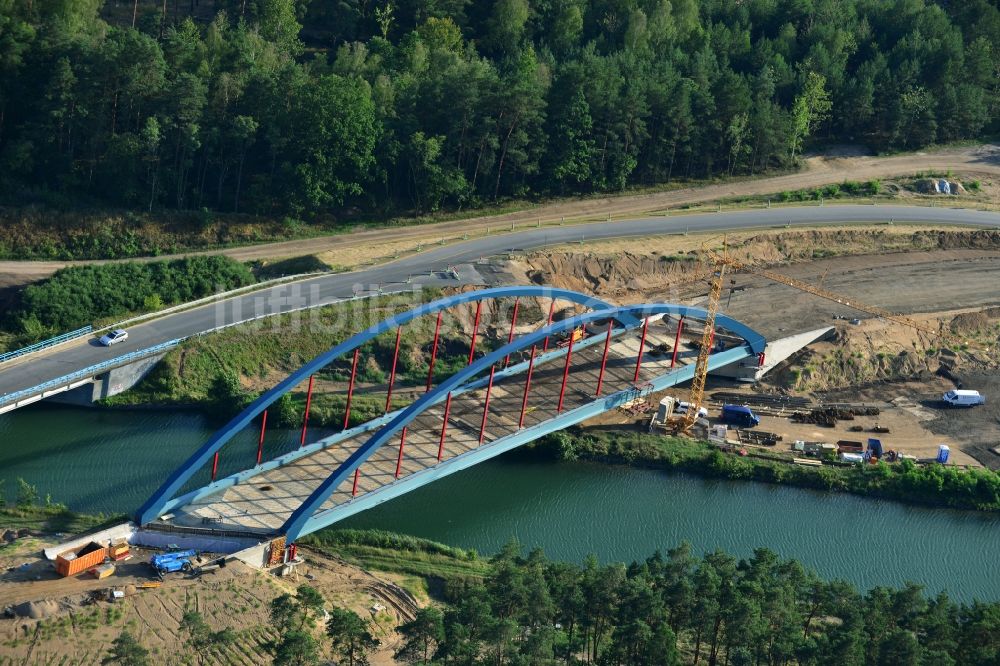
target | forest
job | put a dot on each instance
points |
(308, 109)
(672, 608)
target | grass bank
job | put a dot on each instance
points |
(396, 553)
(53, 519)
(224, 371)
(47, 233)
(931, 485)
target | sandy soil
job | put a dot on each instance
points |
(363, 247)
(930, 275)
(909, 428)
(979, 427)
(236, 597)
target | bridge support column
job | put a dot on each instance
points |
(527, 386)
(354, 488)
(215, 465)
(510, 336)
(548, 322)
(350, 388)
(677, 342)
(475, 332)
(444, 426)
(569, 355)
(392, 372)
(604, 359)
(642, 344)
(399, 458)
(486, 405)
(260, 442)
(305, 416)
(434, 351)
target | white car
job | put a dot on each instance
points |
(683, 406)
(114, 337)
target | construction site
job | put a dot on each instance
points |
(867, 329)
(884, 321)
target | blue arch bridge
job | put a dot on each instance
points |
(542, 380)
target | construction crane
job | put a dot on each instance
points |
(723, 261)
(707, 340)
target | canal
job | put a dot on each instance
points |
(109, 461)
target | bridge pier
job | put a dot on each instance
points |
(107, 384)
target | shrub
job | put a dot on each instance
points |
(79, 295)
(27, 494)
(852, 187)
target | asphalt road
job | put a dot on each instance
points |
(33, 370)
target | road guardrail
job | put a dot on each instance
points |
(45, 344)
(89, 371)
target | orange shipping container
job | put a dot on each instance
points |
(76, 561)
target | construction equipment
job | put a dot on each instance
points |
(578, 333)
(704, 350)
(170, 562)
(721, 262)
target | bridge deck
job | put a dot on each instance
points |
(264, 502)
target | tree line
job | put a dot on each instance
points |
(672, 608)
(305, 108)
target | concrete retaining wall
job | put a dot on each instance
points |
(207, 543)
(124, 531)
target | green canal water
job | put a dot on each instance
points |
(110, 461)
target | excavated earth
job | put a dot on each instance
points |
(946, 280)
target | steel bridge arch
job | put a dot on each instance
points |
(154, 506)
(297, 522)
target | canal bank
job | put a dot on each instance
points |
(108, 461)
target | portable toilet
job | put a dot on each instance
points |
(943, 452)
(666, 409)
(875, 447)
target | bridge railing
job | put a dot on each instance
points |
(45, 344)
(89, 371)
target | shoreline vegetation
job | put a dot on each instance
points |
(673, 607)
(929, 485)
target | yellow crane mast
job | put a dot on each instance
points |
(707, 340)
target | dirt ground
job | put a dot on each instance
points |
(978, 427)
(931, 275)
(76, 630)
(909, 422)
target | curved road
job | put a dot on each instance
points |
(32, 370)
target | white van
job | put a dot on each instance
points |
(683, 406)
(963, 398)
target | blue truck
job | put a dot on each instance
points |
(179, 560)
